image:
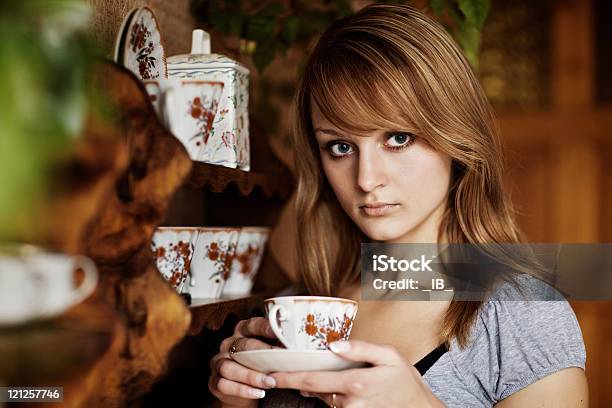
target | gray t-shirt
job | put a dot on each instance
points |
(514, 343)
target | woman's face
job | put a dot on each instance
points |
(393, 185)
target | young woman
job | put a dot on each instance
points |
(396, 142)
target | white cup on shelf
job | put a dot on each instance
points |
(36, 284)
(187, 107)
(211, 262)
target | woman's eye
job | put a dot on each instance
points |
(399, 139)
(340, 149)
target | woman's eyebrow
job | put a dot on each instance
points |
(329, 132)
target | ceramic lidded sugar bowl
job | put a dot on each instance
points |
(228, 143)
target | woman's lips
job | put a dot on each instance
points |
(377, 209)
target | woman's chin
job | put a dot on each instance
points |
(382, 234)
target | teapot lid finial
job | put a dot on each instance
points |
(200, 42)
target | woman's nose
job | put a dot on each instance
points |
(371, 171)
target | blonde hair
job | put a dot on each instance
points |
(392, 67)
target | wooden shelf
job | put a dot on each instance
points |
(217, 178)
(211, 313)
(267, 171)
(156, 168)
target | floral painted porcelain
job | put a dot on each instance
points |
(310, 322)
(228, 144)
(173, 249)
(211, 261)
(188, 109)
(140, 47)
(246, 261)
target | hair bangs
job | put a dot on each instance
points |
(354, 93)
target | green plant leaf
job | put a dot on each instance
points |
(457, 16)
(260, 28)
(468, 37)
(437, 6)
(291, 27)
(475, 11)
(263, 55)
(47, 57)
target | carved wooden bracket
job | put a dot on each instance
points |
(154, 316)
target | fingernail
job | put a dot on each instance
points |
(257, 393)
(269, 381)
(339, 346)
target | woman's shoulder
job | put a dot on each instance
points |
(523, 333)
(530, 309)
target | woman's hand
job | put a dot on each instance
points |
(232, 383)
(391, 382)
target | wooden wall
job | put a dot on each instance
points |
(174, 19)
(560, 172)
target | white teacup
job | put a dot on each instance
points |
(36, 284)
(246, 260)
(310, 322)
(211, 262)
(188, 108)
(173, 249)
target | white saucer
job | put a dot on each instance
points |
(143, 51)
(122, 37)
(273, 360)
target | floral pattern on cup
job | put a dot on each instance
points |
(211, 261)
(174, 263)
(245, 259)
(173, 249)
(222, 259)
(249, 253)
(326, 330)
(310, 322)
(188, 108)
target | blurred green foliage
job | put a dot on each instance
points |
(45, 58)
(467, 17)
(270, 28)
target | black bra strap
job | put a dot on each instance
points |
(430, 359)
